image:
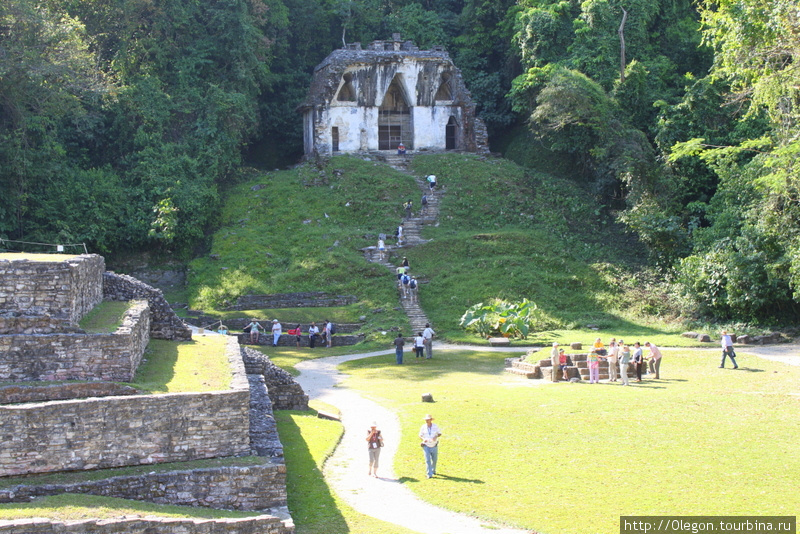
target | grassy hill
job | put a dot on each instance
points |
(503, 231)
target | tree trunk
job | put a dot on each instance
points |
(621, 33)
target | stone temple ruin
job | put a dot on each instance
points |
(390, 93)
(63, 408)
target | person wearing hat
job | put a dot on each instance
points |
(429, 433)
(554, 362)
(374, 442)
(277, 330)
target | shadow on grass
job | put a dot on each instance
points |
(459, 479)
(310, 500)
(159, 369)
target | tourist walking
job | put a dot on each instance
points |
(427, 336)
(328, 333)
(277, 330)
(727, 350)
(313, 332)
(407, 207)
(399, 343)
(381, 248)
(253, 328)
(431, 182)
(424, 203)
(419, 344)
(413, 286)
(399, 234)
(374, 442)
(624, 362)
(405, 280)
(638, 360)
(430, 433)
(655, 359)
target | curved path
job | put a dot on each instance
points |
(384, 497)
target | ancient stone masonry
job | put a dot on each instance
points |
(390, 93)
(164, 324)
(65, 356)
(62, 291)
(100, 424)
(263, 524)
(308, 299)
(252, 487)
(284, 392)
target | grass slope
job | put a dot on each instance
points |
(571, 458)
(503, 232)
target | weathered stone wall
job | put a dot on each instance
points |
(17, 393)
(308, 299)
(262, 524)
(118, 431)
(18, 323)
(65, 289)
(289, 341)
(164, 324)
(284, 392)
(253, 487)
(112, 357)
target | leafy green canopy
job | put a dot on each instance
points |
(121, 119)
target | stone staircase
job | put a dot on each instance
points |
(412, 230)
(577, 367)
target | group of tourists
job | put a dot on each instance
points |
(422, 342)
(618, 354)
(407, 284)
(429, 434)
(314, 333)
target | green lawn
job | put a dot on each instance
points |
(572, 458)
(198, 365)
(104, 318)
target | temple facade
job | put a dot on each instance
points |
(392, 93)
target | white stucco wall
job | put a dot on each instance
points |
(357, 121)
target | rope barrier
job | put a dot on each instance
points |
(59, 246)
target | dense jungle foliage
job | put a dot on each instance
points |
(122, 122)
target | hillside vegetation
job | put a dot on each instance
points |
(503, 232)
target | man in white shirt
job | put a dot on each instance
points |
(727, 350)
(427, 336)
(277, 330)
(429, 434)
(329, 333)
(313, 331)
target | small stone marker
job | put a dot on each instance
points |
(427, 397)
(705, 338)
(576, 345)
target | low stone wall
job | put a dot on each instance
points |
(164, 324)
(247, 488)
(119, 431)
(286, 340)
(309, 299)
(112, 357)
(65, 289)
(18, 393)
(98, 433)
(262, 524)
(284, 392)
